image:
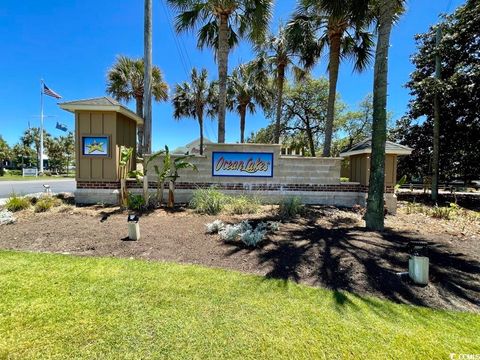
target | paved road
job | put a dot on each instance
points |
(34, 186)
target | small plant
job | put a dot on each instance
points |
(208, 201)
(239, 205)
(442, 212)
(136, 202)
(232, 232)
(46, 203)
(124, 165)
(17, 203)
(215, 226)
(253, 237)
(246, 233)
(273, 225)
(291, 207)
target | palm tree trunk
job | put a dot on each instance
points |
(243, 114)
(222, 55)
(147, 88)
(375, 207)
(200, 124)
(140, 128)
(333, 66)
(280, 83)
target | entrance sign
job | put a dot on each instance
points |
(29, 172)
(242, 164)
(95, 145)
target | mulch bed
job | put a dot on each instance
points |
(328, 247)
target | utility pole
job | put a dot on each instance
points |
(147, 89)
(436, 117)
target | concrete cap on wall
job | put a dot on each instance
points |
(365, 147)
(103, 103)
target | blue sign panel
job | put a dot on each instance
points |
(245, 164)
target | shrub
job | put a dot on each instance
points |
(239, 205)
(215, 226)
(208, 201)
(344, 179)
(135, 202)
(291, 207)
(232, 232)
(253, 237)
(246, 233)
(46, 203)
(17, 203)
(442, 212)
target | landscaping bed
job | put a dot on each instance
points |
(327, 247)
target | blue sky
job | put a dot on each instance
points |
(71, 44)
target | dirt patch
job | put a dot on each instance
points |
(328, 247)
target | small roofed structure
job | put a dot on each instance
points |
(104, 103)
(102, 126)
(359, 166)
(192, 148)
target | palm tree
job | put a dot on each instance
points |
(222, 23)
(245, 91)
(387, 12)
(125, 82)
(276, 57)
(31, 136)
(343, 27)
(147, 91)
(195, 99)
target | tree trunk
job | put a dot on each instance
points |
(280, 83)
(310, 139)
(243, 114)
(171, 197)
(145, 189)
(140, 128)
(147, 88)
(333, 66)
(436, 122)
(200, 124)
(123, 193)
(375, 204)
(222, 58)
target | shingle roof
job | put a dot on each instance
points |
(101, 101)
(365, 147)
(101, 104)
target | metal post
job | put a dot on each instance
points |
(41, 126)
(436, 119)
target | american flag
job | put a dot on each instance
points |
(50, 92)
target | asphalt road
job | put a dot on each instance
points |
(35, 186)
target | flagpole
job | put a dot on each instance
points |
(41, 126)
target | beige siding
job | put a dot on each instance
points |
(121, 131)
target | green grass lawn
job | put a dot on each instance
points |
(9, 177)
(58, 306)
